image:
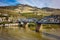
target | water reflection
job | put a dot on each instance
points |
(7, 33)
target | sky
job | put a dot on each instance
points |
(36, 3)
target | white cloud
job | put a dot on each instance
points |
(38, 3)
(55, 4)
(25, 2)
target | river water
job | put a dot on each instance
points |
(19, 34)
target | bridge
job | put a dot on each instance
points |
(53, 19)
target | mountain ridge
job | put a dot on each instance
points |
(27, 8)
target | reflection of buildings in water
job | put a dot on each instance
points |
(3, 31)
(0, 19)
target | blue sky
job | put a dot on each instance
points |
(37, 3)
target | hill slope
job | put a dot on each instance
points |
(20, 8)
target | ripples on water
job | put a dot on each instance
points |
(19, 34)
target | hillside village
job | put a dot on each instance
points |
(26, 11)
(25, 18)
(29, 19)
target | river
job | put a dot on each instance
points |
(19, 34)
